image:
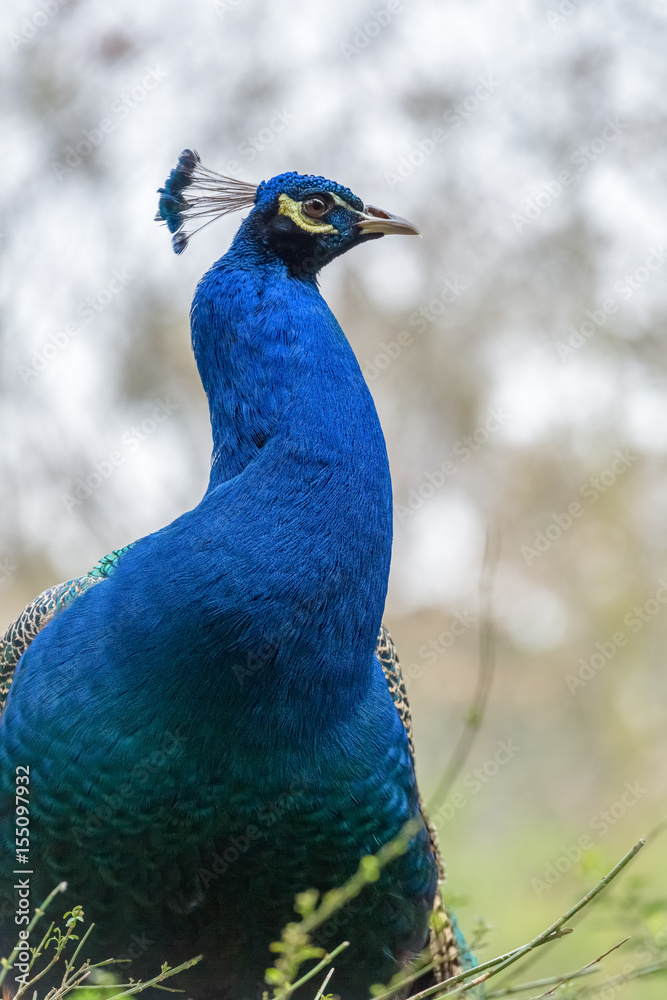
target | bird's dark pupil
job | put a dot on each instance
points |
(315, 206)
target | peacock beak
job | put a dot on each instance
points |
(376, 220)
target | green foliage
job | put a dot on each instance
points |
(295, 947)
(54, 947)
(478, 940)
(630, 908)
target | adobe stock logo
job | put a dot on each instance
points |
(606, 650)
(378, 20)
(431, 650)
(581, 157)
(87, 310)
(591, 490)
(600, 825)
(31, 25)
(130, 442)
(454, 118)
(464, 449)
(475, 780)
(121, 108)
(419, 319)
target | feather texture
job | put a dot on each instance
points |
(222, 723)
(209, 196)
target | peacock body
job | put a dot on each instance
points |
(207, 725)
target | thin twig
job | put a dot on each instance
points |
(558, 924)
(320, 992)
(657, 830)
(80, 945)
(420, 971)
(595, 963)
(529, 960)
(536, 984)
(491, 964)
(336, 898)
(493, 967)
(313, 972)
(42, 944)
(166, 974)
(487, 663)
(625, 977)
(39, 913)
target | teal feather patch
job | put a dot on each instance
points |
(39, 613)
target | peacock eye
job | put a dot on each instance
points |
(316, 206)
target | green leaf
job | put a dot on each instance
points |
(370, 869)
(273, 977)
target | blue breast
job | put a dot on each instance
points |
(226, 671)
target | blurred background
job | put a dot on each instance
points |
(516, 356)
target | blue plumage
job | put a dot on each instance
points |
(172, 203)
(297, 185)
(209, 730)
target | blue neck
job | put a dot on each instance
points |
(247, 317)
(295, 426)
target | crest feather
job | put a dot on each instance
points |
(209, 196)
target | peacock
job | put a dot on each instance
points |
(213, 719)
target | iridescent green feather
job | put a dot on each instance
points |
(39, 613)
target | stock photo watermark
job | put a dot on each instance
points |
(432, 650)
(474, 780)
(224, 7)
(90, 823)
(256, 660)
(120, 109)
(378, 20)
(561, 522)
(87, 310)
(7, 569)
(419, 319)
(32, 24)
(464, 449)
(625, 288)
(435, 648)
(250, 148)
(564, 9)
(605, 651)
(130, 442)
(600, 824)
(223, 857)
(581, 158)
(453, 118)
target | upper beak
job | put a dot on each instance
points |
(376, 220)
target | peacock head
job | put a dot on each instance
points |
(303, 220)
